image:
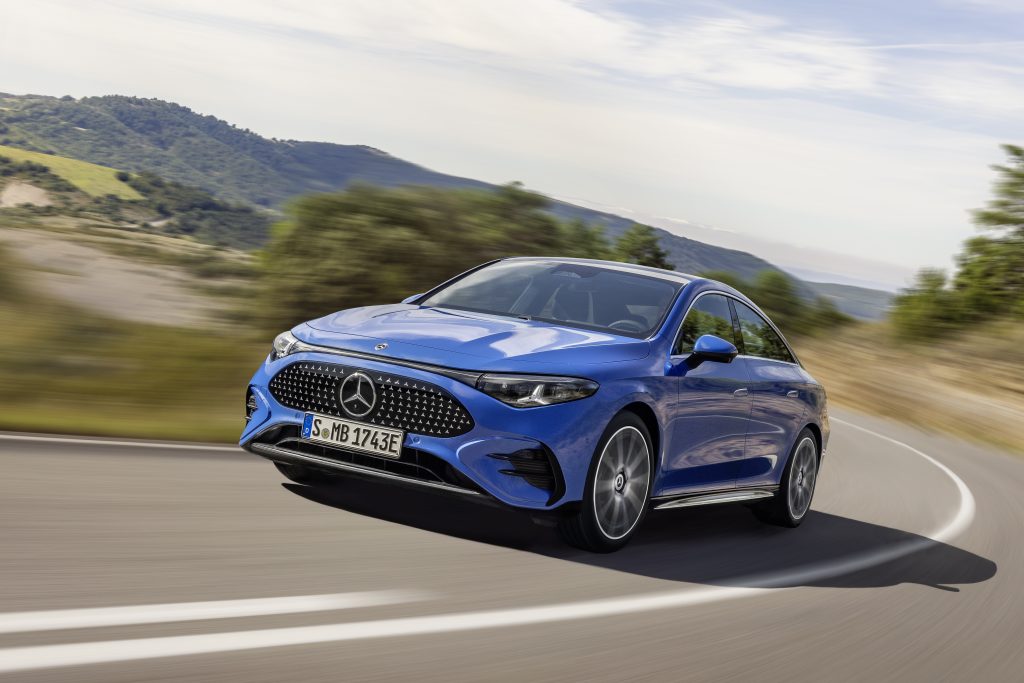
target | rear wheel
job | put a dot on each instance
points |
(618, 489)
(790, 505)
(302, 475)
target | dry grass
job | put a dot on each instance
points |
(67, 369)
(971, 385)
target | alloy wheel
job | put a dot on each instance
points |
(621, 481)
(802, 477)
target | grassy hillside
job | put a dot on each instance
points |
(69, 370)
(94, 180)
(143, 201)
(236, 164)
(178, 144)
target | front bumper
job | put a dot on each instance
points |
(492, 459)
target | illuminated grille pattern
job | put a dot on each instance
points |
(402, 403)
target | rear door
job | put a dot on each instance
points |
(707, 431)
(776, 383)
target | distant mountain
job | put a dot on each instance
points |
(859, 302)
(171, 140)
(136, 134)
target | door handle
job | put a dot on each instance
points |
(792, 393)
(741, 392)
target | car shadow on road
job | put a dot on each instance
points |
(716, 545)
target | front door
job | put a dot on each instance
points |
(706, 434)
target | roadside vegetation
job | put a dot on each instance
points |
(951, 355)
(988, 283)
(968, 384)
(72, 371)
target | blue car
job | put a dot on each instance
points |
(585, 391)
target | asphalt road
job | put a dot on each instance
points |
(909, 568)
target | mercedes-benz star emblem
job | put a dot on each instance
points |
(358, 395)
(381, 346)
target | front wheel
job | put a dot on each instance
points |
(618, 489)
(790, 505)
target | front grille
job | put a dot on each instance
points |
(402, 403)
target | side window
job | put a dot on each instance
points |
(709, 315)
(759, 339)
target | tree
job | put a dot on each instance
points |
(989, 280)
(586, 241)
(927, 309)
(640, 245)
(991, 268)
(777, 293)
(1005, 212)
(371, 245)
(990, 276)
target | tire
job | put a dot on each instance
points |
(618, 490)
(302, 475)
(790, 505)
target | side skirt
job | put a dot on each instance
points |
(714, 497)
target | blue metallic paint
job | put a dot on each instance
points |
(709, 437)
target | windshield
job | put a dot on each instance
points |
(571, 294)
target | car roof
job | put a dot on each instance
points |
(661, 273)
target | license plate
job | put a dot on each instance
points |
(357, 436)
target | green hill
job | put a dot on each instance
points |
(94, 180)
(178, 144)
(236, 164)
(75, 189)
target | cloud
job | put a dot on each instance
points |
(732, 49)
(734, 119)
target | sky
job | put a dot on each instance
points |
(845, 138)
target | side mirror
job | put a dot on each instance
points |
(710, 347)
(410, 299)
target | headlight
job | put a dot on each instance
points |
(284, 344)
(527, 391)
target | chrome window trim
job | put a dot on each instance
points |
(754, 307)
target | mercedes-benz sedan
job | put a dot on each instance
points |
(587, 391)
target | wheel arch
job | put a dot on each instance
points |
(650, 419)
(816, 431)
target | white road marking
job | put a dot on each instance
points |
(78, 654)
(165, 445)
(965, 512)
(95, 617)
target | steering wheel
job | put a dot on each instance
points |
(627, 325)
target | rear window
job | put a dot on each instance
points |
(759, 339)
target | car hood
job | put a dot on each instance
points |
(466, 340)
